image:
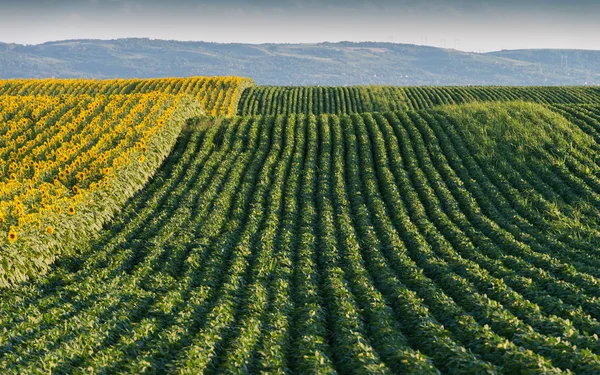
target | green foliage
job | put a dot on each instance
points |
(458, 239)
(527, 130)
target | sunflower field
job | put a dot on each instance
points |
(67, 162)
(217, 95)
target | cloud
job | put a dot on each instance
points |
(478, 24)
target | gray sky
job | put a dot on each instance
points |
(473, 25)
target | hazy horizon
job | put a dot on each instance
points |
(468, 25)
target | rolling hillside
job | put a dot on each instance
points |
(369, 230)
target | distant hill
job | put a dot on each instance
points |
(578, 60)
(343, 63)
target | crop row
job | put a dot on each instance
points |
(271, 100)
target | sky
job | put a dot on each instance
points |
(469, 25)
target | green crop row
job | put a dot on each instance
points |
(272, 100)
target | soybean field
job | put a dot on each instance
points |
(457, 239)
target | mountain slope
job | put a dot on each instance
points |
(293, 64)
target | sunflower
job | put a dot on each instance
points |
(50, 229)
(76, 189)
(141, 159)
(12, 236)
(71, 210)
